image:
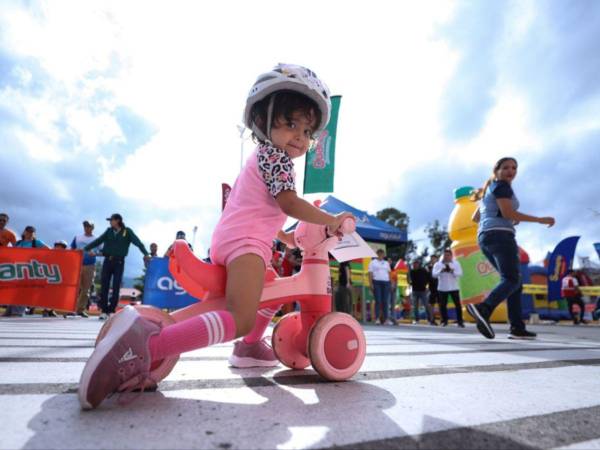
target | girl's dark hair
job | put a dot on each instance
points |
(285, 104)
(479, 193)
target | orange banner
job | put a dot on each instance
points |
(40, 277)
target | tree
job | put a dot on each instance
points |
(422, 256)
(404, 251)
(394, 217)
(139, 282)
(398, 219)
(438, 237)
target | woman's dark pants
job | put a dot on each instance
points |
(500, 248)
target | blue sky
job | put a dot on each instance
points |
(106, 107)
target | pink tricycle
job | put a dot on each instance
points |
(333, 342)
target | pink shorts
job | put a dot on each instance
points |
(224, 254)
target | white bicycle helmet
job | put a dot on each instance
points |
(287, 77)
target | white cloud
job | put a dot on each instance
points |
(38, 148)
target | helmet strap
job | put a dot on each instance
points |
(270, 115)
(259, 134)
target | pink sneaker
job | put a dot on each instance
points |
(121, 357)
(259, 354)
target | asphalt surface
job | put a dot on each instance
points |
(420, 387)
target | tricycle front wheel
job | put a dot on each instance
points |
(337, 346)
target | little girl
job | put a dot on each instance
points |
(286, 107)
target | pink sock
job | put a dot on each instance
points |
(193, 333)
(263, 318)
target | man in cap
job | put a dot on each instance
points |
(88, 267)
(116, 239)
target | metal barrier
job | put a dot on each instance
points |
(542, 289)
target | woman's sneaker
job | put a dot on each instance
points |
(121, 357)
(481, 314)
(521, 333)
(258, 354)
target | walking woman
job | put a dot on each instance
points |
(497, 216)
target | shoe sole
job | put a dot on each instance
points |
(482, 325)
(240, 362)
(120, 325)
(522, 338)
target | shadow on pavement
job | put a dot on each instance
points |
(268, 416)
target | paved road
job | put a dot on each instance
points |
(420, 387)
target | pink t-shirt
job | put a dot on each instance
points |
(252, 215)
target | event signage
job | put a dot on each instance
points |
(560, 261)
(161, 289)
(40, 277)
(597, 247)
(320, 162)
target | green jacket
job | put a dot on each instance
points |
(117, 244)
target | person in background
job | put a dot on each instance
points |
(298, 260)
(154, 254)
(277, 257)
(448, 271)
(88, 267)
(497, 216)
(7, 236)
(180, 235)
(116, 239)
(28, 240)
(596, 312)
(393, 291)
(418, 278)
(572, 294)
(433, 291)
(288, 267)
(379, 279)
(58, 245)
(207, 260)
(343, 294)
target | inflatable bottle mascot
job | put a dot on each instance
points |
(479, 277)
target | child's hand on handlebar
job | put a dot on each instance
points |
(334, 228)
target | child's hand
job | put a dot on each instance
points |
(334, 227)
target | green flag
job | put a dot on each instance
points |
(320, 162)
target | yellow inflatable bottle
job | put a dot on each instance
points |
(479, 276)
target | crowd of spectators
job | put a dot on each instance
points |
(430, 284)
(113, 244)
